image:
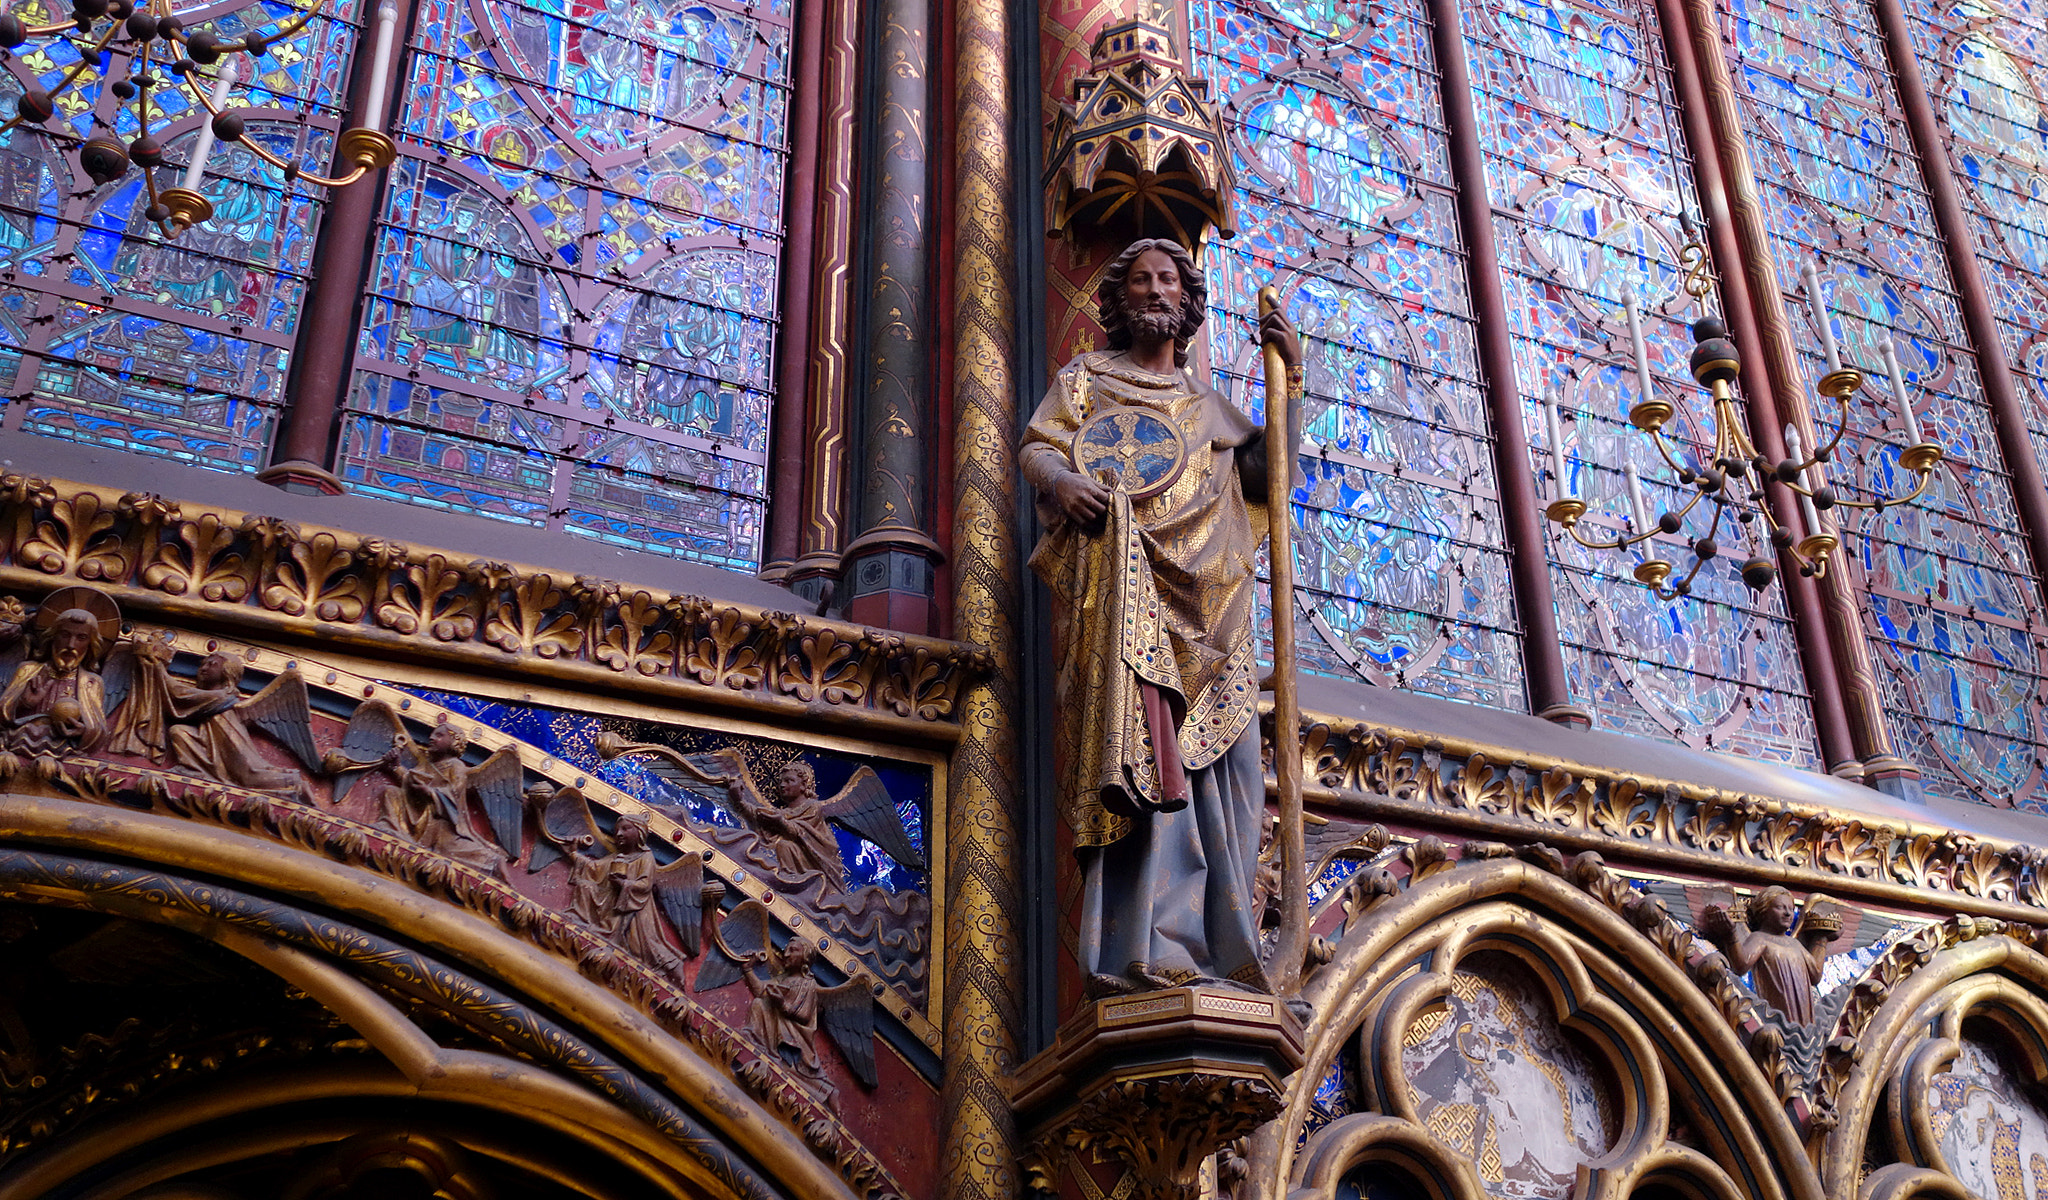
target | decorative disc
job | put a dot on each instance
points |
(1134, 450)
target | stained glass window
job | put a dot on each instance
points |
(1588, 171)
(1345, 203)
(110, 334)
(1953, 606)
(573, 293)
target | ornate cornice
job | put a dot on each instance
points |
(1413, 777)
(253, 575)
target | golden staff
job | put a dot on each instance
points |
(1292, 945)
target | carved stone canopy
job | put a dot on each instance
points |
(1138, 150)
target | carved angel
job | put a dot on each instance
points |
(430, 804)
(789, 1005)
(204, 725)
(797, 827)
(619, 887)
(1758, 936)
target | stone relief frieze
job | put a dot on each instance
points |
(627, 886)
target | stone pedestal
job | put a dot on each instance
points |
(1151, 1086)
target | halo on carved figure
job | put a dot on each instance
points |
(1134, 450)
(105, 612)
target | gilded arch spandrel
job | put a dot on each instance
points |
(1986, 974)
(1613, 966)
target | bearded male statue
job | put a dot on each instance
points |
(1151, 487)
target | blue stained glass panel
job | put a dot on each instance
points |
(1588, 173)
(572, 312)
(1345, 204)
(120, 337)
(1953, 602)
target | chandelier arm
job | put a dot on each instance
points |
(1926, 478)
(1664, 450)
(71, 76)
(281, 164)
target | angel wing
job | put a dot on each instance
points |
(848, 1013)
(547, 851)
(284, 711)
(117, 675)
(564, 824)
(500, 785)
(374, 730)
(863, 808)
(703, 775)
(679, 891)
(1325, 844)
(744, 931)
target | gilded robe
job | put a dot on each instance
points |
(1156, 680)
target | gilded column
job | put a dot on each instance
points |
(984, 959)
(890, 565)
(1856, 672)
(820, 536)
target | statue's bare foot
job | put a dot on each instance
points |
(1100, 987)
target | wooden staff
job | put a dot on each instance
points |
(1292, 945)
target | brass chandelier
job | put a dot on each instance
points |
(143, 49)
(1732, 479)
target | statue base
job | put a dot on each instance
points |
(1151, 1086)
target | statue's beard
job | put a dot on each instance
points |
(1152, 325)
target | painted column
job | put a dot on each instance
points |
(984, 958)
(303, 459)
(890, 566)
(1855, 671)
(1802, 594)
(1066, 39)
(793, 352)
(1535, 606)
(820, 528)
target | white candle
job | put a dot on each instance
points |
(1796, 450)
(1640, 347)
(1818, 303)
(1556, 430)
(223, 83)
(1635, 502)
(380, 66)
(1891, 366)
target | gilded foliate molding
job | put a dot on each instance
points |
(1160, 1130)
(1523, 795)
(257, 574)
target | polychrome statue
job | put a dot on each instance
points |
(1152, 489)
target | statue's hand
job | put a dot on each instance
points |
(1081, 498)
(1277, 331)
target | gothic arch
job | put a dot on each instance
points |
(1608, 963)
(455, 1011)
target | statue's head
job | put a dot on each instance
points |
(219, 670)
(447, 740)
(631, 834)
(1773, 910)
(797, 782)
(74, 640)
(1124, 322)
(796, 954)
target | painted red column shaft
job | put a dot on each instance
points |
(303, 459)
(1980, 320)
(793, 351)
(1528, 563)
(1809, 619)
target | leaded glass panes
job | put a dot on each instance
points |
(1953, 608)
(1345, 203)
(572, 300)
(1588, 171)
(113, 335)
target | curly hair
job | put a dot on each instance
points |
(1109, 295)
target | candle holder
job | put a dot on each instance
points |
(140, 50)
(1734, 478)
